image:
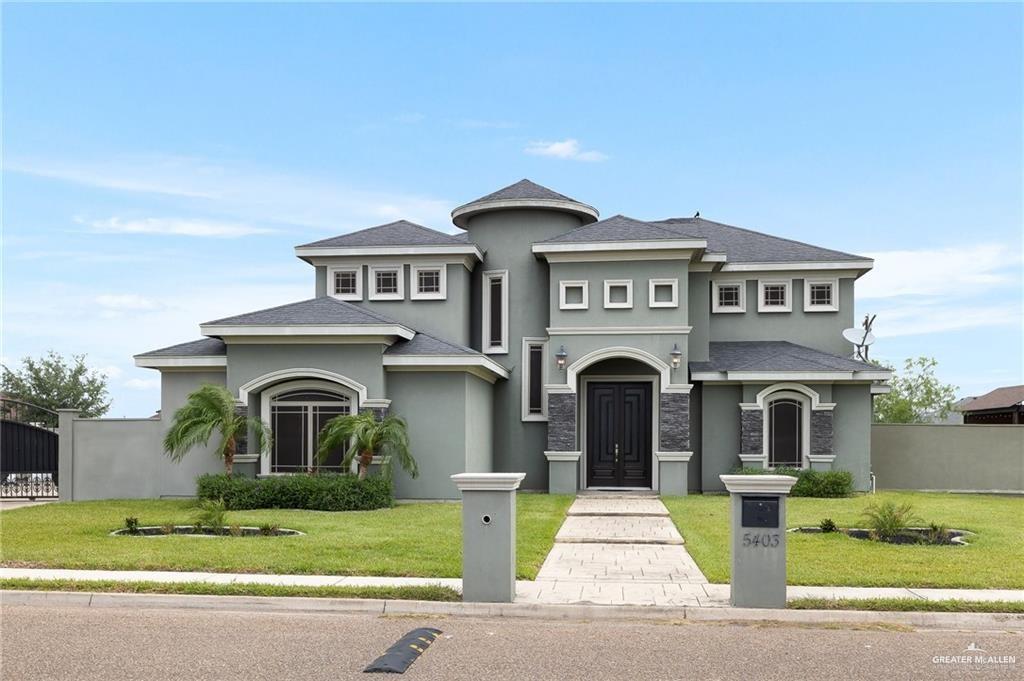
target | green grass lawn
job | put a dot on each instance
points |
(410, 540)
(992, 561)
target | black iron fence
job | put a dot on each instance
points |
(28, 450)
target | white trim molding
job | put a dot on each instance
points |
(372, 283)
(376, 403)
(762, 484)
(815, 398)
(573, 370)
(833, 306)
(716, 284)
(682, 457)
(770, 376)
(469, 250)
(414, 281)
(611, 305)
(605, 246)
(485, 317)
(266, 402)
(181, 361)
(487, 482)
(563, 456)
(336, 330)
(260, 382)
(582, 284)
(652, 287)
(462, 214)
(332, 291)
(484, 367)
(616, 330)
(763, 307)
(752, 458)
(527, 378)
(786, 266)
(821, 458)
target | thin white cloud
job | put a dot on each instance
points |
(568, 149)
(921, 318)
(111, 371)
(175, 227)
(958, 271)
(142, 383)
(167, 175)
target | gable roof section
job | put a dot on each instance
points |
(523, 194)
(324, 316)
(1000, 398)
(775, 360)
(745, 245)
(426, 352)
(205, 352)
(398, 233)
(617, 228)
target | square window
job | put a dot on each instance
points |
(820, 295)
(387, 282)
(618, 293)
(728, 296)
(573, 295)
(774, 296)
(663, 293)
(345, 283)
(428, 281)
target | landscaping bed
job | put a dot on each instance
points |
(193, 531)
(833, 558)
(908, 535)
(409, 540)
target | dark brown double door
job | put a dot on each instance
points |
(618, 432)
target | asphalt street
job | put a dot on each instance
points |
(80, 643)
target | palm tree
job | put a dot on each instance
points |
(212, 408)
(365, 435)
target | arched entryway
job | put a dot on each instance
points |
(297, 411)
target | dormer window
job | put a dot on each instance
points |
(429, 282)
(345, 283)
(821, 295)
(728, 296)
(386, 282)
(774, 296)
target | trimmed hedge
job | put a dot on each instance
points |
(320, 492)
(826, 484)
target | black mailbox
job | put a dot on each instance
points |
(760, 512)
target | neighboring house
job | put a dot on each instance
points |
(1002, 405)
(589, 353)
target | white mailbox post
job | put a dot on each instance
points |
(758, 526)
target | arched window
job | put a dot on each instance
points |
(786, 436)
(297, 417)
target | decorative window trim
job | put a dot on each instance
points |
(761, 283)
(414, 282)
(608, 284)
(805, 424)
(358, 269)
(718, 309)
(485, 300)
(399, 295)
(563, 285)
(652, 285)
(529, 342)
(809, 306)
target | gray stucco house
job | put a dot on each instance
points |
(615, 353)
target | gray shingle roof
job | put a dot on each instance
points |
(323, 310)
(617, 228)
(745, 245)
(425, 344)
(524, 189)
(774, 356)
(398, 233)
(204, 347)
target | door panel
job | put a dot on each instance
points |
(618, 432)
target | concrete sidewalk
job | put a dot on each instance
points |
(693, 595)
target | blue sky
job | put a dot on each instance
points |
(161, 161)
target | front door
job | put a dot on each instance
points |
(618, 434)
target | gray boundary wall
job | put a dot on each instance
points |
(970, 458)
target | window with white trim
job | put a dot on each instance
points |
(573, 295)
(495, 312)
(773, 295)
(663, 293)
(345, 283)
(387, 282)
(535, 375)
(618, 293)
(429, 282)
(786, 431)
(728, 296)
(821, 295)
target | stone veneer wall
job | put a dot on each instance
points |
(751, 431)
(562, 422)
(821, 431)
(674, 422)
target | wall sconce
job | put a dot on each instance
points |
(560, 357)
(676, 355)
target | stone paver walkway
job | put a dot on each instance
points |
(618, 549)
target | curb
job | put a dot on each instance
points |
(286, 604)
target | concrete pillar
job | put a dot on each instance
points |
(563, 472)
(66, 453)
(488, 535)
(758, 528)
(673, 472)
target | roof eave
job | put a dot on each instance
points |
(462, 214)
(180, 361)
(308, 252)
(247, 330)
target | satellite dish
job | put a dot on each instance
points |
(858, 336)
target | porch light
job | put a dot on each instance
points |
(560, 357)
(676, 355)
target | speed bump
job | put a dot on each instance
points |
(404, 652)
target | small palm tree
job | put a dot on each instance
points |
(212, 408)
(365, 435)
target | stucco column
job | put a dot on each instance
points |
(752, 437)
(822, 455)
(563, 451)
(488, 535)
(673, 455)
(66, 453)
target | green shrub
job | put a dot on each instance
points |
(211, 514)
(811, 483)
(827, 525)
(319, 492)
(131, 525)
(887, 520)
